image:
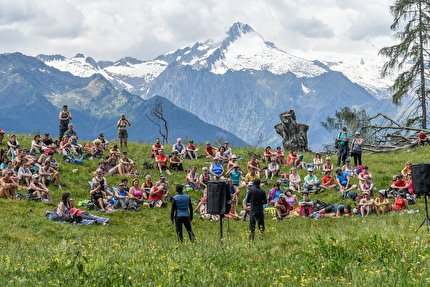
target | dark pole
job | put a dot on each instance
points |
(220, 223)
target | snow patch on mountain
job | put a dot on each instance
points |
(305, 89)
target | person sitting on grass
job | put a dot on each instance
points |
(147, 185)
(47, 142)
(54, 163)
(268, 154)
(422, 139)
(115, 150)
(272, 169)
(292, 158)
(12, 146)
(179, 147)
(274, 194)
(381, 204)
(306, 205)
(2, 133)
(399, 185)
(176, 162)
(155, 147)
(105, 143)
(121, 198)
(136, 193)
(97, 149)
(252, 175)
(24, 173)
(328, 166)
(205, 177)
(38, 190)
(292, 200)
(233, 212)
(127, 165)
(295, 180)
(155, 196)
(220, 155)
(235, 173)
(344, 181)
(328, 182)
(166, 186)
(280, 157)
(202, 206)
(283, 208)
(36, 144)
(97, 196)
(65, 146)
(232, 161)
(311, 181)
(366, 186)
(401, 202)
(336, 210)
(70, 132)
(216, 169)
(366, 204)
(49, 174)
(161, 160)
(228, 153)
(318, 162)
(75, 147)
(300, 163)
(253, 162)
(193, 178)
(64, 208)
(102, 181)
(348, 167)
(245, 213)
(210, 151)
(8, 185)
(407, 169)
(234, 191)
(362, 174)
(192, 150)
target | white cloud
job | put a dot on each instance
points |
(110, 30)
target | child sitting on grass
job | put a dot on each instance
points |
(202, 206)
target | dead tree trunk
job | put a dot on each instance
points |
(294, 134)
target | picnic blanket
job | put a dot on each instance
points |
(54, 217)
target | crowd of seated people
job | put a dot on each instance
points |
(37, 171)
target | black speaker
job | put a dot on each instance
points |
(218, 196)
(421, 178)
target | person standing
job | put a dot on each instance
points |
(343, 139)
(257, 197)
(356, 148)
(122, 130)
(65, 116)
(182, 213)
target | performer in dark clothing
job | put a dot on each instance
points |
(180, 205)
(257, 198)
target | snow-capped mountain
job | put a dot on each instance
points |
(244, 81)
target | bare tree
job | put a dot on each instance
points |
(159, 120)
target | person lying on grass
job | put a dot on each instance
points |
(97, 195)
(336, 210)
(8, 185)
(38, 190)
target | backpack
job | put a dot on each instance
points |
(319, 205)
(336, 142)
(411, 199)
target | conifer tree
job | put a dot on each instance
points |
(413, 16)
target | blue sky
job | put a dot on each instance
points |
(113, 29)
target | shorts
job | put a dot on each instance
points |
(153, 203)
(164, 167)
(47, 182)
(344, 186)
(122, 134)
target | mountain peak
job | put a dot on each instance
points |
(238, 29)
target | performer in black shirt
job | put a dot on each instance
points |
(257, 198)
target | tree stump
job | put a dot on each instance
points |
(294, 134)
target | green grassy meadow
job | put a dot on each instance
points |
(141, 248)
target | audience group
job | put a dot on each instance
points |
(37, 171)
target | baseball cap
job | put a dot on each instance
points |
(282, 195)
(337, 169)
(347, 160)
(234, 156)
(205, 168)
(162, 176)
(120, 184)
(216, 158)
(35, 176)
(300, 156)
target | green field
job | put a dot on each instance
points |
(141, 248)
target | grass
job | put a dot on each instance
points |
(141, 248)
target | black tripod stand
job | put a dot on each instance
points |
(427, 219)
